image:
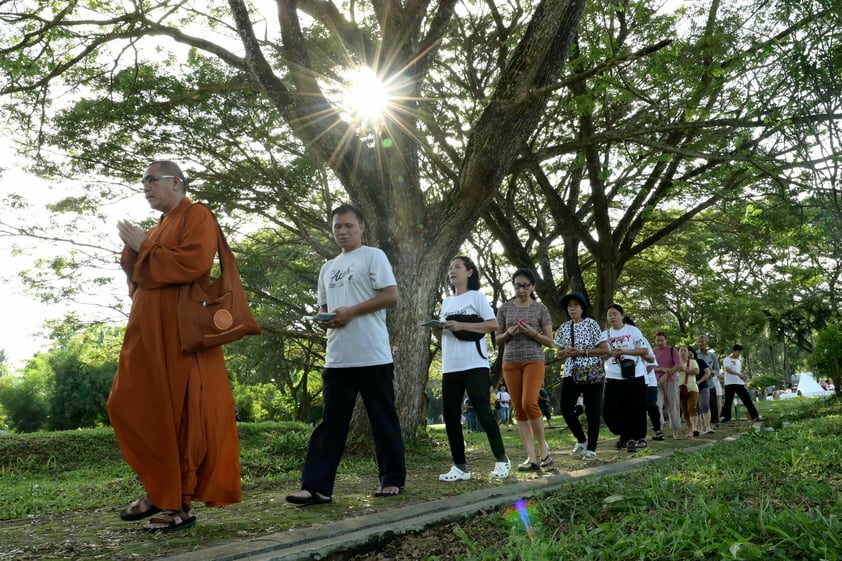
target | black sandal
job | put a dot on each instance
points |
(133, 514)
(170, 521)
(313, 499)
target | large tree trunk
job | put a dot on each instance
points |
(420, 240)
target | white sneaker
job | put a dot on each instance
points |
(502, 469)
(455, 474)
(579, 449)
(589, 457)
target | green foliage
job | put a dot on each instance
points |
(760, 383)
(265, 402)
(82, 371)
(80, 391)
(50, 472)
(827, 354)
(25, 400)
(274, 373)
(740, 274)
(66, 387)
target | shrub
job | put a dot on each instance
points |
(25, 402)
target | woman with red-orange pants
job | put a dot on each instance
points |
(524, 328)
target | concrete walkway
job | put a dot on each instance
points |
(322, 541)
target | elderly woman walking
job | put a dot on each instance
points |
(582, 343)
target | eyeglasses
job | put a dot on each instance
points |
(150, 179)
(524, 286)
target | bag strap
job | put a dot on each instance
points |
(572, 344)
(479, 349)
(227, 261)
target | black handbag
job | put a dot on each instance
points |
(468, 335)
(628, 368)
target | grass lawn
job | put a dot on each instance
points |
(772, 494)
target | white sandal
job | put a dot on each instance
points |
(455, 474)
(502, 469)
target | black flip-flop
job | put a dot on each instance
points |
(128, 516)
(313, 499)
(381, 493)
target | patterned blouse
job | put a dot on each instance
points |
(587, 336)
(522, 347)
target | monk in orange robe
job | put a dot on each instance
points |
(173, 412)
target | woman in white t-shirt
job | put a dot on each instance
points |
(465, 369)
(624, 401)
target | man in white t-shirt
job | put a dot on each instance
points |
(735, 383)
(357, 286)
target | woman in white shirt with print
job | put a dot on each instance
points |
(624, 402)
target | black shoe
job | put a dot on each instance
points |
(529, 466)
(631, 447)
(620, 444)
(659, 435)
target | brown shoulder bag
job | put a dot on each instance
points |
(219, 313)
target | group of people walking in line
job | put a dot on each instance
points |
(614, 373)
(173, 410)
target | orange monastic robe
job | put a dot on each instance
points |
(173, 412)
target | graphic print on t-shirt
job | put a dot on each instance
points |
(619, 343)
(461, 312)
(338, 277)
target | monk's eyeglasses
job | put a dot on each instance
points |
(150, 179)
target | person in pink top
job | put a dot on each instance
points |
(668, 361)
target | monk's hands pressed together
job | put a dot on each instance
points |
(133, 236)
